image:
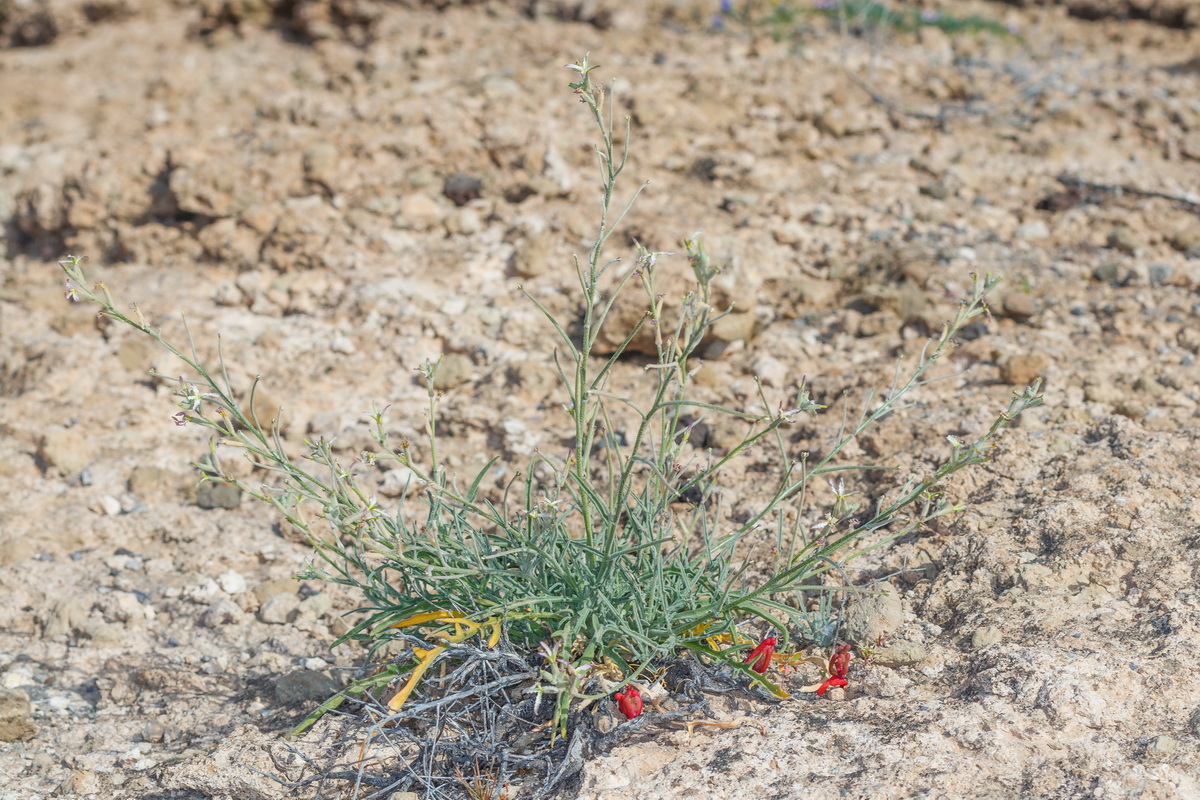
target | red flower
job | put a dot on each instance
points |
(839, 665)
(839, 662)
(630, 702)
(761, 655)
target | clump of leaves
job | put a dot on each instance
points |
(589, 568)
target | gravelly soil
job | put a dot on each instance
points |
(283, 181)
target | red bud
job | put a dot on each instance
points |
(839, 662)
(761, 655)
(630, 702)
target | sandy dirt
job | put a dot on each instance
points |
(284, 181)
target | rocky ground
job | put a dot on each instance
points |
(345, 189)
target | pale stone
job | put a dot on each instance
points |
(67, 450)
(231, 582)
(419, 211)
(1033, 231)
(16, 716)
(985, 637)
(279, 609)
(877, 612)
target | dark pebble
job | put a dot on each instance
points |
(462, 188)
(305, 686)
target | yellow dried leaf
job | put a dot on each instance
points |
(427, 658)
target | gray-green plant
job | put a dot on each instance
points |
(586, 562)
(784, 18)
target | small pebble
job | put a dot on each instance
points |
(130, 504)
(16, 716)
(1021, 369)
(232, 582)
(985, 637)
(462, 188)
(455, 370)
(223, 611)
(218, 495)
(1018, 305)
(153, 731)
(303, 686)
(900, 654)
(1106, 272)
(1163, 744)
(279, 609)
(1033, 231)
(1123, 240)
(67, 450)
(1160, 273)
(937, 190)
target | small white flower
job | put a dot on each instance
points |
(548, 504)
(191, 398)
(839, 489)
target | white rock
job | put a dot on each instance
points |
(279, 609)
(821, 214)
(232, 582)
(771, 370)
(419, 212)
(201, 593)
(316, 606)
(454, 306)
(137, 751)
(1032, 231)
(125, 607)
(116, 563)
(223, 611)
(16, 677)
(517, 437)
